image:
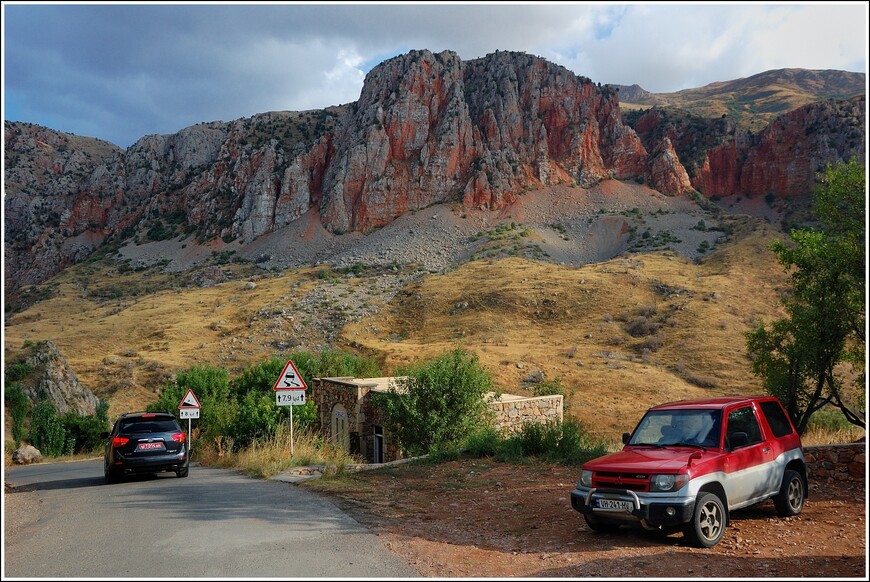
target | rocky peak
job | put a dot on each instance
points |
(667, 172)
(430, 128)
(53, 379)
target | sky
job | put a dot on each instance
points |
(121, 71)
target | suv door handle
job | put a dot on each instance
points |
(766, 449)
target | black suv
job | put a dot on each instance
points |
(145, 442)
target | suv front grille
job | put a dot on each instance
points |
(630, 481)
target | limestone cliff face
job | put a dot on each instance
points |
(785, 157)
(666, 172)
(58, 197)
(67, 195)
(782, 159)
(427, 128)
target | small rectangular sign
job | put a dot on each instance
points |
(188, 413)
(149, 446)
(290, 397)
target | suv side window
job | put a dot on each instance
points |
(743, 422)
(776, 419)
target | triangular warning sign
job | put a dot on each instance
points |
(189, 401)
(290, 379)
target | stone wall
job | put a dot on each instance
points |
(362, 416)
(511, 414)
(836, 462)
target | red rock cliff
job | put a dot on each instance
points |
(785, 157)
(429, 128)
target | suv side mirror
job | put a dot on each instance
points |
(738, 439)
(625, 437)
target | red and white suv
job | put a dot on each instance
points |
(689, 463)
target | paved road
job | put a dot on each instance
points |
(213, 524)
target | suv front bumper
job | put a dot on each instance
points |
(650, 512)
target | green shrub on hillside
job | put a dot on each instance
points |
(83, 432)
(18, 371)
(18, 405)
(563, 442)
(47, 431)
(439, 401)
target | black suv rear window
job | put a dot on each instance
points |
(776, 418)
(143, 426)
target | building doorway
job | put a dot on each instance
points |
(339, 430)
(378, 448)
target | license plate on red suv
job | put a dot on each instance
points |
(614, 504)
(149, 446)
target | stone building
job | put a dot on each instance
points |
(348, 416)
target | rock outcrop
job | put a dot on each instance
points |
(785, 157)
(54, 380)
(58, 198)
(431, 128)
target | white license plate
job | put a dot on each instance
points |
(614, 504)
(149, 446)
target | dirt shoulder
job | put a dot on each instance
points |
(484, 519)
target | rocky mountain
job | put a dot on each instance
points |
(782, 159)
(637, 95)
(428, 128)
(754, 101)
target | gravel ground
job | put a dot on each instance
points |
(476, 518)
(565, 225)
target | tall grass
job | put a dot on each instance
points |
(565, 442)
(830, 427)
(267, 457)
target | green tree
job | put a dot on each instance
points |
(438, 402)
(19, 405)
(47, 431)
(799, 357)
(211, 385)
(83, 432)
(258, 416)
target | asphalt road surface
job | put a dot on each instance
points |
(213, 524)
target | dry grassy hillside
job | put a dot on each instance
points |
(619, 335)
(756, 100)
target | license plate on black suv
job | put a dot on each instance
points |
(149, 447)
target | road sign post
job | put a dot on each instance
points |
(189, 408)
(290, 391)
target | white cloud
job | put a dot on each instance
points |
(157, 68)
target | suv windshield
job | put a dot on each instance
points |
(679, 427)
(148, 426)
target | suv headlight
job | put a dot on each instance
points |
(667, 482)
(585, 478)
